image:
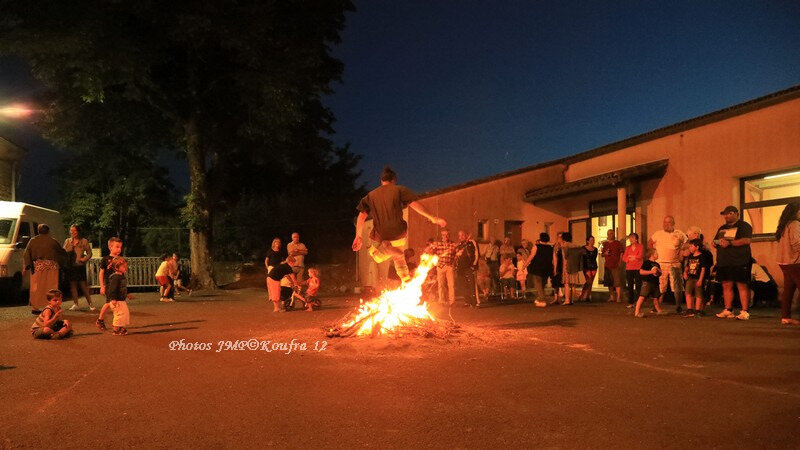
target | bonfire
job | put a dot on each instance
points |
(397, 312)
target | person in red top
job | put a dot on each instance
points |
(633, 258)
(612, 251)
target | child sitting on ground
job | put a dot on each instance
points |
(310, 298)
(117, 296)
(49, 324)
(650, 272)
(507, 278)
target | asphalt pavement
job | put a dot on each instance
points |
(515, 376)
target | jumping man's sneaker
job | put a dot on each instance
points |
(743, 315)
(73, 308)
(727, 314)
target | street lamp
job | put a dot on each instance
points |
(16, 111)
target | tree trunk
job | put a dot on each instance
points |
(200, 226)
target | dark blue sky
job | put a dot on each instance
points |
(449, 91)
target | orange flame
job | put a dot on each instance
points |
(395, 308)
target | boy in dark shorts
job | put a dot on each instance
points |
(114, 250)
(650, 272)
(49, 324)
(695, 272)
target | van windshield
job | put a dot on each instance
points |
(7, 227)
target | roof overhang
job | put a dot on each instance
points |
(619, 177)
(10, 151)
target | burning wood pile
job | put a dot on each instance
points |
(397, 312)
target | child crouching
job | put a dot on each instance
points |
(49, 324)
(117, 296)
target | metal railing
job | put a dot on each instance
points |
(141, 271)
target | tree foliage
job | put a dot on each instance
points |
(233, 86)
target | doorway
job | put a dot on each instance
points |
(513, 230)
(603, 217)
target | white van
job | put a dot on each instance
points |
(18, 224)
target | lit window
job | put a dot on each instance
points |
(764, 197)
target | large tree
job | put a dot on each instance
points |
(218, 81)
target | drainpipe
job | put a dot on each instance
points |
(622, 208)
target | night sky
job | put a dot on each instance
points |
(449, 91)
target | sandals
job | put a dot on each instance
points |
(100, 324)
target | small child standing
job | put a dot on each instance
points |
(114, 250)
(695, 274)
(310, 299)
(165, 282)
(650, 272)
(49, 324)
(522, 271)
(177, 278)
(506, 277)
(117, 297)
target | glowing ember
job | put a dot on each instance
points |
(393, 311)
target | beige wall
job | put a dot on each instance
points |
(6, 180)
(705, 165)
(495, 201)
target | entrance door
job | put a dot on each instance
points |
(600, 226)
(513, 230)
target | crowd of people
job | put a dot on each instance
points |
(673, 261)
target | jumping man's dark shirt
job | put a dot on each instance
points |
(385, 205)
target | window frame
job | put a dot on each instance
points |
(483, 225)
(743, 206)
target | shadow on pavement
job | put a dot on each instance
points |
(7, 367)
(166, 324)
(567, 322)
(163, 330)
(209, 298)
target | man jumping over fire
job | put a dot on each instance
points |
(385, 205)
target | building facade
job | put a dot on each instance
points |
(747, 155)
(10, 157)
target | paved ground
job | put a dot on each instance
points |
(589, 375)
